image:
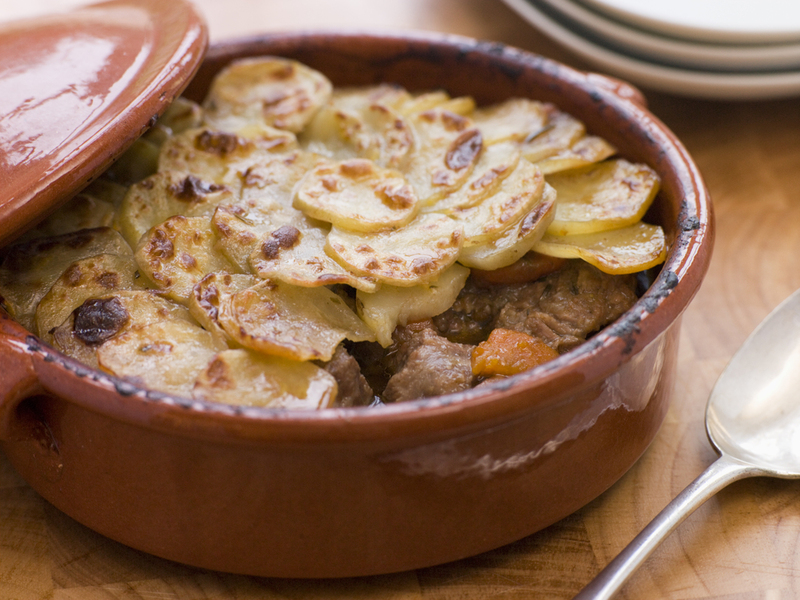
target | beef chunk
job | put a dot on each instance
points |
(353, 387)
(426, 364)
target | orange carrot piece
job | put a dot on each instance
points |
(507, 352)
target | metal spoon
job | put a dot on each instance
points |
(752, 420)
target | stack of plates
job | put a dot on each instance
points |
(721, 49)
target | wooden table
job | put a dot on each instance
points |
(741, 544)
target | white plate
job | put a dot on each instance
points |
(700, 84)
(672, 51)
(726, 21)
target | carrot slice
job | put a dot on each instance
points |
(530, 267)
(507, 352)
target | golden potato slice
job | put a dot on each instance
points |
(83, 211)
(29, 269)
(295, 253)
(211, 291)
(163, 195)
(166, 356)
(587, 150)
(293, 322)
(176, 254)
(609, 195)
(357, 195)
(391, 306)
(274, 91)
(140, 160)
(86, 278)
(617, 251)
(101, 318)
(413, 255)
(496, 163)
(512, 120)
(437, 99)
(223, 157)
(247, 378)
(448, 146)
(491, 218)
(273, 178)
(559, 133)
(362, 123)
(181, 114)
(106, 190)
(516, 241)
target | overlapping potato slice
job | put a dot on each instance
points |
(358, 195)
(512, 120)
(448, 146)
(209, 293)
(362, 123)
(274, 91)
(517, 196)
(86, 278)
(140, 160)
(608, 195)
(587, 150)
(166, 355)
(101, 318)
(273, 178)
(516, 241)
(246, 378)
(560, 132)
(496, 163)
(294, 322)
(165, 194)
(180, 115)
(30, 268)
(391, 306)
(437, 99)
(413, 255)
(618, 251)
(220, 156)
(176, 254)
(83, 211)
(295, 253)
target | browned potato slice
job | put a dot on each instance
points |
(437, 99)
(293, 322)
(448, 146)
(413, 255)
(181, 114)
(559, 133)
(586, 151)
(517, 196)
(273, 178)
(209, 293)
(496, 163)
(274, 91)
(295, 253)
(166, 194)
(140, 160)
(617, 251)
(609, 195)
(516, 241)
(223, 157)
(101, 318)
(176, 254)
(83, 211)
(362, 123)
(512, 120)
(357, 195)
(86, 278)
(247, 378)
(30, 268)
(391, 306)
(167, 355)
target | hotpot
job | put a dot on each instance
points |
(349, 492)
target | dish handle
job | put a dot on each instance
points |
(623, 89)
(18, 378)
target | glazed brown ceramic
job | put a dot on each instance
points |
(76, 89)
(360, 491)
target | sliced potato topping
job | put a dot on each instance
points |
(617, 251)
(247, 378)
(290, 321)
(588, 150)
(512, 120)
(391, 306)
(357, 195)
(209, 293)
(181, 114)
(413, 255)
(274, 91)
(166, 355)
(609, 195)
(559, 133)
(176, 254)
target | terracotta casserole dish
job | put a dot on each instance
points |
(354, 491)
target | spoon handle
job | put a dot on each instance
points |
(719, 474)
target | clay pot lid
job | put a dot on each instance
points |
(77, 88)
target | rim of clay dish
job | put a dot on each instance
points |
(657, 309)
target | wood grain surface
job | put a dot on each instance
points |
(741, 544)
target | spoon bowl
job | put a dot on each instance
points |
(752, 420)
